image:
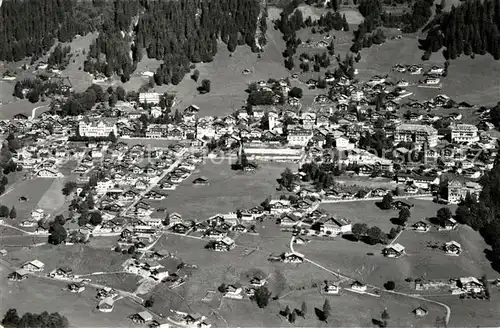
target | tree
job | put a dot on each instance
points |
(404, 215)
(295, 92)
(69, 188)
(359, 230)
(326, 310)
(57, 235)
(262, 296)
(60, 219)
(303, 309)
(375, 235)
(390, 285)
(131, 250)
(286, 312)
(291, 317)
(443, 214)
(205, 86)
(95, 218)
(13, 213)
(195, 75)
(120, 93)
(83, 219)
(386, 203)
(4, 211)
(11, 319)
(385, 315)
(149, 302)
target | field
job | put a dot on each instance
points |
(38, 294)
(81, 258)
(123, 281)
(227, 190)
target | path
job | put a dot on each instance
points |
(33, 111)
(346, 278)
(152, 185)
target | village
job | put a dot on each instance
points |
(120, 162)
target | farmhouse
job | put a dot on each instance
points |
(142, 317)
(224, 245)
(76, 287)
(279, 206)
(450, 224)
(234, 291)
(106, 306)
(395, 250)
(358, 287)
(421, 226)
(420, 312)
(470, 285)
(335, 226)
(452, 248)
(33, 266)
(18, 275)
(292, 258)
(331, 288)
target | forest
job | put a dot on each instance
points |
(471, 28)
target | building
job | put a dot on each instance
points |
(416, 133)
(464, 133)
(453, 248)
(358, 287)
(97, 129)
(298, 136)
(335, 226)
(470, 285)
(421, 226)
(420, 312)
(18, 275)
(224, 245)
(149, 98)
(450, 224)
(33, 266)
(457, 190)
(331, 288)
(395, 250)
(105, 306)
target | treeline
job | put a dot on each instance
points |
(29, 28)
(413, 21)
(37, 88)
(368, 31)
(471, 28)
(318, 59)
(59, 57)
(34, 320)
(483, 215)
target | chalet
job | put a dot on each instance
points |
(200, 226)
(292, 258)
(450, 224)
(289, 220)
(470, 285)
(18, 275)
(335, 226)
(279, 206)
(215, 233)
(452, 248)
(106, 306)
(142, 317)
(180, 228)
(331, 289)
(234, 291)
(398, 205)
(224, 245)
(395, 250)
(239, 228)
(33, 266)
(174, 218)
(76, 287)
(258, 282)
(420, 312)
(421, 226)
(358, 287)
(201, 181)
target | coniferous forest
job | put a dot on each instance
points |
(471, 28)
(177, 32)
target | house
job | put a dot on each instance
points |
(18, 275)
(450, 224)
(3, 252)
(234, 291)
(258, 282)
(33, 266)
(331, 289)
(224, 245)
(201, 181)
(180, 228)
(76, 287)
(470, 285)
(335, 226)
(452, 248)
(288, 220)
(105, 306)
(421, 226)
(358, 287)
(395, 250)
(279, 206)
(142, 317)
(292, 258)
(420, 312)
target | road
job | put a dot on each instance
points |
(33, 111)
(346, 278)
(152, 185)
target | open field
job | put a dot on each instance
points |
(123, 281)
(34, 190)
(38, 295)
(53, 200)
(473, 80)
(473, 312)
(227, 191)
(81, 258)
